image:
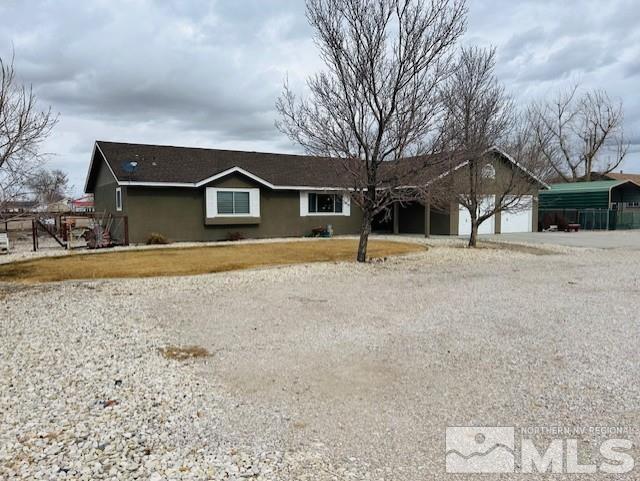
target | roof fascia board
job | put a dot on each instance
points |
(444, 174)
(96, 147)
(93, 156)
(517, 164)
(234, 170)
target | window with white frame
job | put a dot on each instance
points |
(119, 199)
(324, 203)
(232, 202)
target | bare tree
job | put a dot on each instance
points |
(23, 128)
(481, 116)
(377, 100)
(48, 186)
(580, 134)
(523, 147)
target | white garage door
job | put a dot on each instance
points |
(520, 219)
(464, 219)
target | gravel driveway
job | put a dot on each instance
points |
(328, 371)
(617, 239)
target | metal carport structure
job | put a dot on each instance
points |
(600, 205)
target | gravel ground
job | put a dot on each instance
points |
(318, 372)
(617, 239)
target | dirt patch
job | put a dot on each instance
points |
(523, 249)
(192, 261)
(183, 353)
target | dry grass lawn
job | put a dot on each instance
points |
(191, 261)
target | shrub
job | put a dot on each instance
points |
(155, 238)
(235, 236)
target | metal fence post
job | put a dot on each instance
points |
(34, 234)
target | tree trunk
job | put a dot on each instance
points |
(364, 236)
(473, 238)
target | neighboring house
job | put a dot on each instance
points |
(602, 204)
(635, 178)
(193, 194)
(597, 176)
(56, 207)
(83, 204)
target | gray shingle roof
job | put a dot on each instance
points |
(163, 164)
(170, 164)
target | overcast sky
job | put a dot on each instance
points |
(207, 73)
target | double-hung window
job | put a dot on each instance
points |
(233, 203)
(325, 203)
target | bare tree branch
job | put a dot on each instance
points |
(580, 134)
(23, 128)
(48, 186)
(480, 116)
(377, 100)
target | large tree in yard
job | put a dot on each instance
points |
(580, 133)
(23, 128)
(48, 186)
(377, 100)
(480, 117)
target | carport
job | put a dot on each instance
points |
(415, 218)
(600, 205)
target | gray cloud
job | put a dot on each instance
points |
(208, 72)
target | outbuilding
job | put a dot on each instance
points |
(600, 205)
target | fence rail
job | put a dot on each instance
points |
(71, 229)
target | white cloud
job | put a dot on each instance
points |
(207, 73)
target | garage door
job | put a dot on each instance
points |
(464, 219)
(519, 219)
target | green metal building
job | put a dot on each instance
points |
(600, 205)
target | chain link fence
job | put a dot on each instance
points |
(589, 219)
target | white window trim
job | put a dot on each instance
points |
(119, 196)
(304, 205)
(211, 195)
